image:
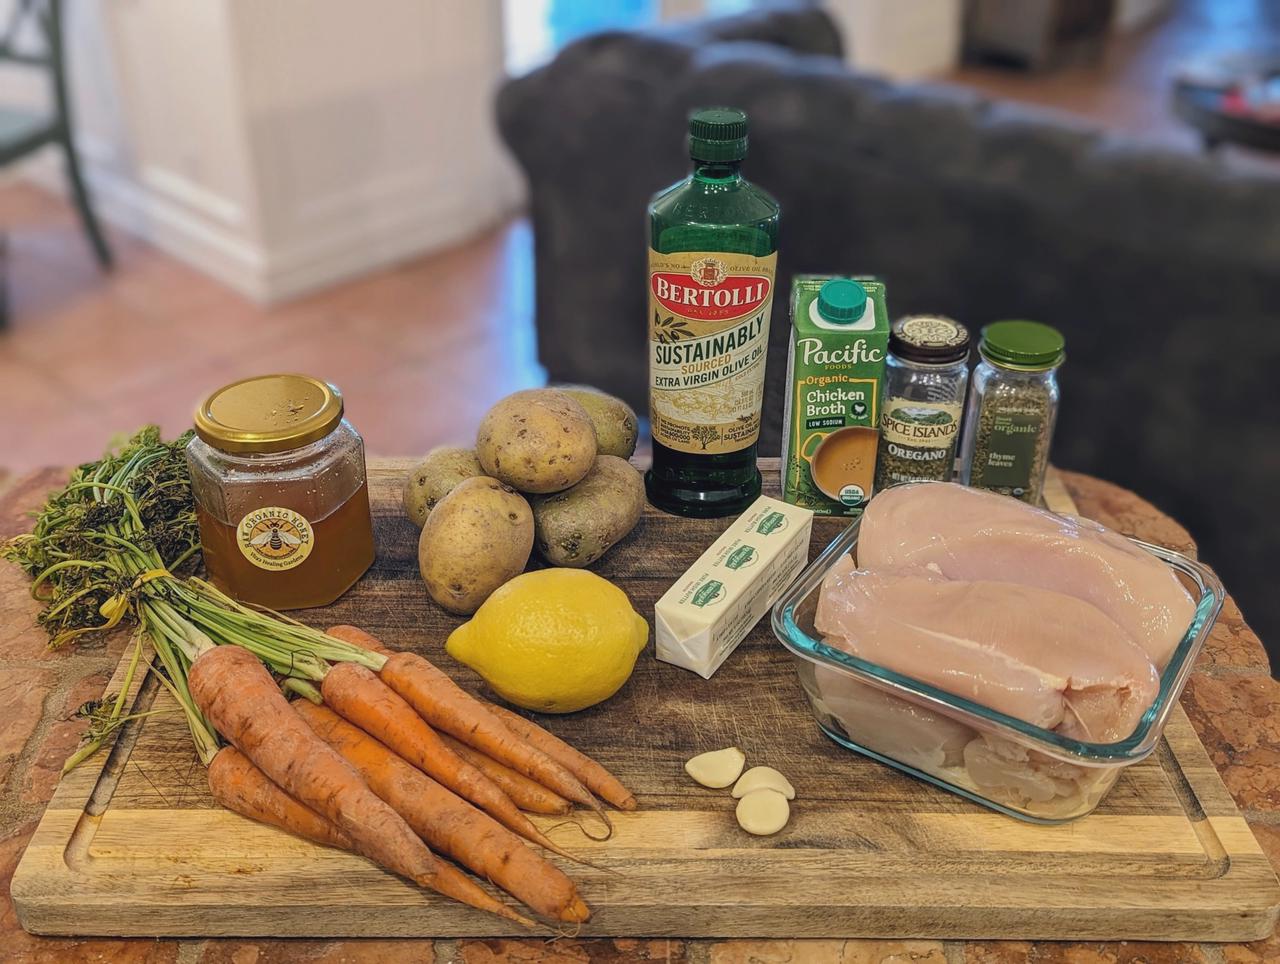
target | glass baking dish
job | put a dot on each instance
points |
(994, 759)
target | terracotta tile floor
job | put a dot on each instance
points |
(420, 350)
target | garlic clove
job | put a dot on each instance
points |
(763, 777)
(717, 769)
(763, 812)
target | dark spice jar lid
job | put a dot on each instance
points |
(929, 339)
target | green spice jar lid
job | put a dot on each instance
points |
(717, 134)
(929, 339)
(1024, 345)
(842, 301)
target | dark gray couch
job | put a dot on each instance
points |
(1162, 268)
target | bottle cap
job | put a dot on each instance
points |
(1023, 345)
(842, 301)
(269, 413)
(929, 339)
(717, 134)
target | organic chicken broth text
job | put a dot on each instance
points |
(834, 376)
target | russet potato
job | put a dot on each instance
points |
(435, 477)
(476, 538)
(576, 527)
(616, 425)
(538, 440)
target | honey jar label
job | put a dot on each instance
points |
(275, 538)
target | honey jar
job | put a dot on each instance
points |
(281, 493)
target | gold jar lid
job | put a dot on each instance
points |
(269, 413)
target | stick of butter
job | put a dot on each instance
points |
(709, 610)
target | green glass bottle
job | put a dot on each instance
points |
(713, 250)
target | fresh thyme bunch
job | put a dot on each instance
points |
(127, 513)
(111, 546)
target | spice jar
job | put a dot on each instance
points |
(281, 495)
(925, 376)
(1012, 409)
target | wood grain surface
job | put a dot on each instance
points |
(131, 844)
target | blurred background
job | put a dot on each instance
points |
(432, 203)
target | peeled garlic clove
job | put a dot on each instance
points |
(763, 812)
(717, 768)
(758, 778)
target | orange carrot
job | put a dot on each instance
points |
(525, 793)
(596, 778)
(448, 823)
(238, 696)
(244, 789)
(359, 697)
(358, 637)
(448, 707)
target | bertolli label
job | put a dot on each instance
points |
(708, 341)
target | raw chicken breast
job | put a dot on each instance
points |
(1040, 656)
(890, 725)
(930, 741)
(975, 535)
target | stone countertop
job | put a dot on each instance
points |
(1231, 699)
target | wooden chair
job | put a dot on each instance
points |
(23, 131)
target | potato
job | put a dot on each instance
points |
(476, 538)
(434, 478)
(538, 440)
(579, 525)
(616, 426)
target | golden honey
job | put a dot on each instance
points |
(281, 492)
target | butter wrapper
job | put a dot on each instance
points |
(709, 610)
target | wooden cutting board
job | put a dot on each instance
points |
(132, 844)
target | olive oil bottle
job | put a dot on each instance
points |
(713, 250)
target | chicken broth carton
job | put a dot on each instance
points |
(835, 366)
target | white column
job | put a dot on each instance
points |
(903, 39)
(281, 146)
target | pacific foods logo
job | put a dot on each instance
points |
(815, 353)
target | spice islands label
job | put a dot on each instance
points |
(917, 441)
(275, 538)
(708, 341)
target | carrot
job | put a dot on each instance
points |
(358, 637)
(527, 794)
(238, 696)
(244, 789)
(596, 778)
(448, 707)
(447, 822)
(360, 697)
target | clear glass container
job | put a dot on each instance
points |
(1012, 409)
(925, 731)
(281, 492)
(926, 374)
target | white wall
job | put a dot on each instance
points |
(902, 39)
(283, 145)
(1133, 15)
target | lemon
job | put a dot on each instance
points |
(555, 640)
